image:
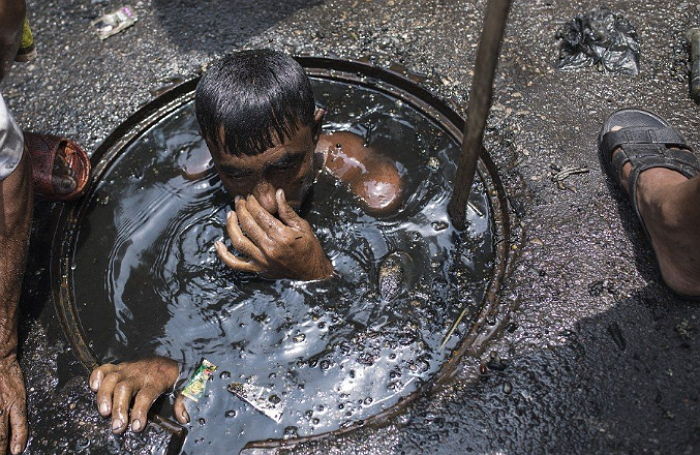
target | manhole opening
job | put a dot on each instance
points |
(138, 275)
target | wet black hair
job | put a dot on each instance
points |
(257, 96)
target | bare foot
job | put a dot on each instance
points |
(669, 204)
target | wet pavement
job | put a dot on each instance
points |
(598, 356)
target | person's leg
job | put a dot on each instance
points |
(669, 204)
(15, 219)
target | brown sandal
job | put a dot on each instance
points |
(60, 167)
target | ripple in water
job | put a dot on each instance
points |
(320, 355)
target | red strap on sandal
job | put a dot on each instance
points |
(43, 152)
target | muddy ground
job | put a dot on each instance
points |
(598, 357)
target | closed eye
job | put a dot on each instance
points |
(237, 175)
(289, 162)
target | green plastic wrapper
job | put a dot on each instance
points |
(195, 387)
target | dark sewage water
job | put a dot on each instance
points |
(308, 357)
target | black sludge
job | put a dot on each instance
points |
(294, 358)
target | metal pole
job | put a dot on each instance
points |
(479, 106)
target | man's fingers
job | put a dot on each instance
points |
(120, 406)
(99, 373)
(19, 429)
(104, 394)
(234, 262)
(240, 241)
(180, 410)
(249, 225)
(142, 403)
(286, 212)
(265, 220)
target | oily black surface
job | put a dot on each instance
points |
(306, 357)
(600, 357)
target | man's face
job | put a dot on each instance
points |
(288, 165)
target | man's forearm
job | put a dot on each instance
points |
(15, 220)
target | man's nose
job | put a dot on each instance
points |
(265, 194)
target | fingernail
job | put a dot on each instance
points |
(104, 408)
(117, 424)
(229, 215)
(136, 425)
(236, 199)
(93, 385)
(17, 449)
(186, 416)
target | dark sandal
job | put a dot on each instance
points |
(646, 141)
(57, 176)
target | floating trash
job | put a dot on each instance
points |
(397, 274)
(194, 389)
(259, 398)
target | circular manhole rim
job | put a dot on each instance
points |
(400, 85)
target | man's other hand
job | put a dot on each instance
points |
(277, 248)
(13, 407)
(142, 381)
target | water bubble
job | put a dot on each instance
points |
(368, 401)
(325, 364)
(299, 338)
(202, 421)
(230, 413)
(433, 163)
(315, 421)
(274, 399)
(291, 432)
(225, 375)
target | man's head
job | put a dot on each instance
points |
(256, 111)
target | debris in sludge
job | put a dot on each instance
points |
(566, 172)
(114, 22)
(561, 174)
(259, 398)
(198, 382)
(397, 274)
(601, 38)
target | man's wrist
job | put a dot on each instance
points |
(325, 271)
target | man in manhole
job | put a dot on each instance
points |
(257, 114)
